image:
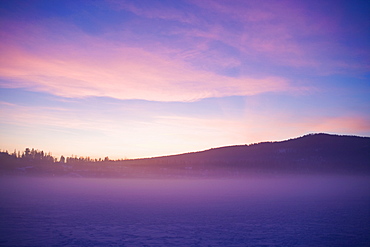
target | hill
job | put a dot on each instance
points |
(310, 154)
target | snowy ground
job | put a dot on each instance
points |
(285, 211)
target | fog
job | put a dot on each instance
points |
(173, 190)
(185, 212)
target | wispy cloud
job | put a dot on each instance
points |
(213, 52)
(288, 33)
(158, 10)
(96, 67)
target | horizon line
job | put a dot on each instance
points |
(17, 152)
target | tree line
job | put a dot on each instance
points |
(41, 156)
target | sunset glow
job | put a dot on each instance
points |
(129, 79)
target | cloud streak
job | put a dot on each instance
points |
(214, 51)
(287, 33)
(101, 68)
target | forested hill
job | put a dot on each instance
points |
(314, 153)
(310, 153)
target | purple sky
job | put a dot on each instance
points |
(147, 78)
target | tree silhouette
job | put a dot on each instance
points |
(62, 159)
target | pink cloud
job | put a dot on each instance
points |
(96, 67)
(72, 64)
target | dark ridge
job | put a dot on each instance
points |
(309, 154)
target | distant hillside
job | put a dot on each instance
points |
(310, 154)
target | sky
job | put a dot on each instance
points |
(131, 79)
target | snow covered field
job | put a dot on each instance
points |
(274, 211)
